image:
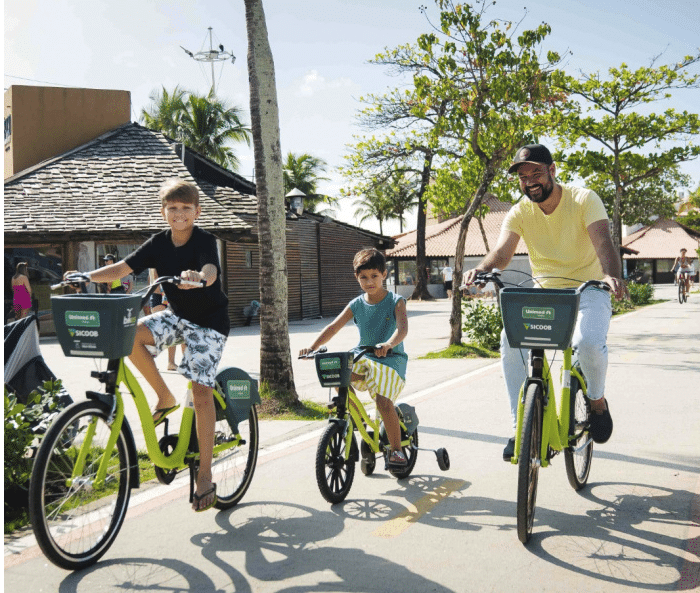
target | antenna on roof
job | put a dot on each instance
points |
(211, 56)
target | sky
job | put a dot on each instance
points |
(321, 50)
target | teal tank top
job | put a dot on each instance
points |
(377, 323)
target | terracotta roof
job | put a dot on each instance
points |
(661, 240)
(107, 184)
(441, 239)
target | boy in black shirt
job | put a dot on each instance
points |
(198, 316)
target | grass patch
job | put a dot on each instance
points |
(282, 406)
(622, 307)
(463, 351)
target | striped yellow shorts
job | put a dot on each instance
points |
(378, 379)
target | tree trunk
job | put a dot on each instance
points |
(421, 291)
(456, 313)
(275, 356)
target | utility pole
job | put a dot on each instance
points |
(211, 56)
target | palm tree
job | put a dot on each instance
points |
(402, 195)
(374, 206)
(208, 124)
(204, 123)
(164, 112)
(303, 171)
(275, 352)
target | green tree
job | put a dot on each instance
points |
(374, 205)
(304, 172)
(402, 194)
(275, 354)
(165, 111)
(689, 212)
(499, 94)
(208, 125)
(618, 141)
(204, 123)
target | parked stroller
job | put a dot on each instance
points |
(26, 370)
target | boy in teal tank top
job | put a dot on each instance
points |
(380, 316)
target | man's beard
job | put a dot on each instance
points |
(546, 190)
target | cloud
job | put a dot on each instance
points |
(312, 83)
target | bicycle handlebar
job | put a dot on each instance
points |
(483, 277)
(363, 350)
(75, 280)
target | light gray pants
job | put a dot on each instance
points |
(589, 339)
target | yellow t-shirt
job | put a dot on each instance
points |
(559, 243)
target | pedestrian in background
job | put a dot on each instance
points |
(21, 291)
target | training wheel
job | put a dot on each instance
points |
(443, 459)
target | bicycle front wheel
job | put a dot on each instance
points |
(232, 469)
(680, 291)
(579, 454)
(334, 473)
(75, 517)
(529, 461)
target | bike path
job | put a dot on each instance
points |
(454, 531)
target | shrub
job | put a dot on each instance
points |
(641, 294)
(21, 421)
(482, 324)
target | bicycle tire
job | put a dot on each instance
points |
(529, 461)
(578, 455)
(233, 469)
(334, 474)
(73, 526)
(680, 290)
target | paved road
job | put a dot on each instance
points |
(636, 527)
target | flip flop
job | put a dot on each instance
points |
(198, 497)
(163, 413)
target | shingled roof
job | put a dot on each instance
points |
(661, 240)
(107, 185)
(441, 239)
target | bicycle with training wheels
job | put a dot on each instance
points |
(683, 282)
(337, 451)
(539, 319)
(87, 462)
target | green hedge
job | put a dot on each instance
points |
(482, 324)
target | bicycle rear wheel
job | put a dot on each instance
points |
(74, 518)
(334, 474)
(232, 469)
(529, 461)
(579, 454)
(680, 290)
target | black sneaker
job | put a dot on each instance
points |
(600, 425)
(509, 451)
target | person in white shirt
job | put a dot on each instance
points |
(447, 280)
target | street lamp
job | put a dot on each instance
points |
(296, 200)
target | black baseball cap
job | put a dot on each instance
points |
(535, 154)
(110, 257)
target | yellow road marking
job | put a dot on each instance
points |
(403, 521)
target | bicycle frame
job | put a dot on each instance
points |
(555, 427)
(359, 417)
(177, 459)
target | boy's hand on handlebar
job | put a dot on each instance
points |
(469, 277)
(191, 276)
(617, 287)
(304, 351)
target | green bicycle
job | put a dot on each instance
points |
(87, 463)
(540, 319)
(337, 451)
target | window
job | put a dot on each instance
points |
(248, 259)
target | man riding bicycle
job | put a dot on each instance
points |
(568, 238)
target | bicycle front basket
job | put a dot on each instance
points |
(96, 325)
(539, 317)
(334, 368)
